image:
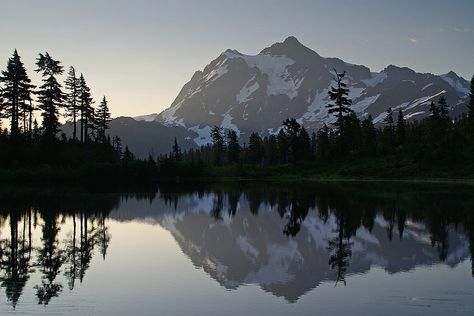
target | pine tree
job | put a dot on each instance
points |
(434, 110)
(443, 108)
(292, 128)
(177, 155)
(255, 150)
(16, 94)
(72, 86)
(401, 128)
(50, 95)
(282, 146)
(322, 143)
(103, 119)
(304, 145)
(341, 105)
(233, 147)
(368, 136)
(389, 129)
(218, 145)
(87, 114)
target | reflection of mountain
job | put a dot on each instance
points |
(249, 248)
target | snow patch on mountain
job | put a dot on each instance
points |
(363, 104)
(247, 91)
(376, 79)
(227, 123)
(317, 110)
(427, 86)
(275, 69)
(216, 73)
(456, 84)
(146, 118)
(204, 134)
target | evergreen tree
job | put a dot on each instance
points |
(72, 86)
(341, 105)
(16, 94)
(218, 145)
(233, 147)
(255, 150)
(292, 129)
(86, 110)
(50, 95)
(177, 155)
(368, 136)
(389, 129)
(304, 145)
(127, 156)
(103, 119)
(443, 108)
(434, 110)
(401, 128)
(322, 143)
(282, 147)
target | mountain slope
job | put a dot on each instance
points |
(256, 93)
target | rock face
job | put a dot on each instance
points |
(256, 93)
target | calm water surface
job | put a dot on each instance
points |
(241, 249)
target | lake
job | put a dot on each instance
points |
(239, 249)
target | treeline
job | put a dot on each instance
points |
(438, 140)
(29, 149)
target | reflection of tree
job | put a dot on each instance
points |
(233, 198)
(50, 260)
(299, 210)
(15, 258)
(72, 256)
(217, 205)
(340, 249)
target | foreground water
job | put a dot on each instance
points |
(243, 249)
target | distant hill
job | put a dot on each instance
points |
(144, 138)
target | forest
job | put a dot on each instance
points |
(438, 146)
(35, 152)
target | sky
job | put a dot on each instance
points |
(139, 53)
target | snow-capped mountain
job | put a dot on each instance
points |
(257, 92)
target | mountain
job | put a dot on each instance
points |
(257, 92)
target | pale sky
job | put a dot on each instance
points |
(140, 53)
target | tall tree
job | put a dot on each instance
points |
(443, 108)
(218, 144)
(177, 155)
(401, 128)
(255, 149)
(341, 103)
(72, 86)
(233, 147)
(50, 94)
(103, 119)
(322, 143)
(16, 94)
(471, 102)
(304, 145)
(292, 129)
(368, 136)
(389, 128)
(86, 109)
